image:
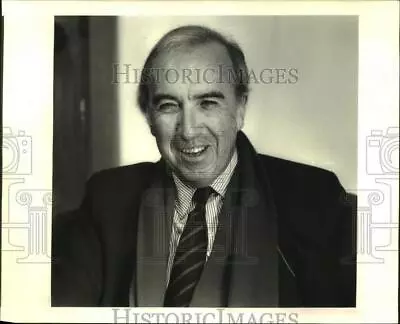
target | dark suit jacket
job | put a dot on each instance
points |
(286, 238)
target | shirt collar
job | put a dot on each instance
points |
(220, 184)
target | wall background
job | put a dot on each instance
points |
(313, 121)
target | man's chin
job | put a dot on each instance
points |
(199, 179)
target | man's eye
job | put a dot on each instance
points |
(208, 104)
(167, 107)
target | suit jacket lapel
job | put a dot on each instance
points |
(154, 230)
(254, 262)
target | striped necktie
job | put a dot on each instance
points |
(190, 255)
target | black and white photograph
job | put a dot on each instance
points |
(247, 204)
(200, 161)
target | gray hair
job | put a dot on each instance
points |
(192, 35)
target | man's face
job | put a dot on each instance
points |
(195, 118)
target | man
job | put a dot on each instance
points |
(213, 223)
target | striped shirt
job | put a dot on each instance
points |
(184, 205)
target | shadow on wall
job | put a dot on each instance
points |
(85, 126)
(104, 105)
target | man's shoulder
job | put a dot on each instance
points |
(124, 171)
(294, 168)
(122, 178)
(300, 180)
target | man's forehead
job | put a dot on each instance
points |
(202, 67)
(191, 71)
(193, 57)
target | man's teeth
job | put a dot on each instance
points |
(194, 150)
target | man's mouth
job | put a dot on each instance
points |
(194, 151)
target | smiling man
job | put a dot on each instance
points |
(195, 123)
(213, 223)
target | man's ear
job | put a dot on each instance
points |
(241, 111)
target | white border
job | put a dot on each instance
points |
(28, 96)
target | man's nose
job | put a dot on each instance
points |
(188, 124)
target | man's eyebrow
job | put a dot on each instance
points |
(211, 94)
(162, 96)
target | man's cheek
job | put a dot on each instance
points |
(225, 142)
(164, 132)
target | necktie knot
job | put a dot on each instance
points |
(201, 195)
